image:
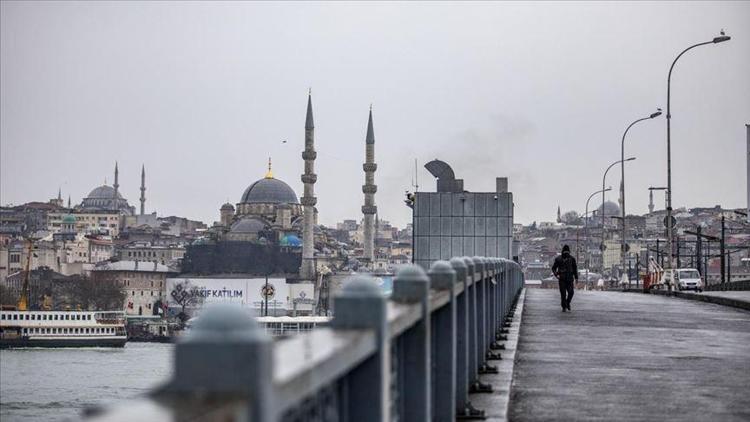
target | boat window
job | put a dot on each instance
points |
(44, 317)
(33, 317)
(15, 316)
(56, 317)
(25, 330)
(2, 316)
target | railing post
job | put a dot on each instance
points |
(411, 286)
(443, 333)
(472, 295)
(361, 305)
(494, 285)
(227, 353)
(463, 405)
(481, 312)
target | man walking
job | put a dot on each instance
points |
(566, 271)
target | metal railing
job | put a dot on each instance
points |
(413, 357)
(731, 285)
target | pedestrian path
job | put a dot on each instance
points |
(627, 356)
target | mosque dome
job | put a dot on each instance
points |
(291, 240)
(247, 226)
(269, 191)
(227, 207)
(103, 192)
(610, 209)
(69, 219)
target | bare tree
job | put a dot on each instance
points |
(571, 218)
(186, 295)
(8, 296)
(89, 294)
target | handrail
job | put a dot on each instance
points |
(415, 356)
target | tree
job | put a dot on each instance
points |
(7, 296)
(89, 294)
(186, 295)
(571, 218)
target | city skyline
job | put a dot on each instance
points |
(202, 96)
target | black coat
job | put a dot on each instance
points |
(565, 267)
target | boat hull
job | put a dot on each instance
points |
(60, 342)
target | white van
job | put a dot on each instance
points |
(688, 279)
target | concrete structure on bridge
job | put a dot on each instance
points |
(453, 221)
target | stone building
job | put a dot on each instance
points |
(143, 282)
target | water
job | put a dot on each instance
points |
(56, 384)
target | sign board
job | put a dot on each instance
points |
(247, 292)
(666, 222)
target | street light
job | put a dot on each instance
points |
(601, 247)
(586, 227)
(716, 40)
(623, 253)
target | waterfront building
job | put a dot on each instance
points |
(144, 283)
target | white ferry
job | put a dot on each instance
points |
(62, 329)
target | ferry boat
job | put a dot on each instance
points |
(62, 329)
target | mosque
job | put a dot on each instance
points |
(108, 198)
(268, 212)
(271, 230)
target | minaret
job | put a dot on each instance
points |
(116, 185)
(369, 188)
(143, 189)
(68, 201)
(115, 204)
(650, 201)
(559, 217)
(59, 195)
(307, 272)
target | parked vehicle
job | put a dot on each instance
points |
(688, 279)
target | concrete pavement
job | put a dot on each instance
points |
(624, 356)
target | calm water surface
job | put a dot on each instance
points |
(56, 384)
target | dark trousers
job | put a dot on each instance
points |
(566, 292)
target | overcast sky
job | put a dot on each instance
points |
(203, 93)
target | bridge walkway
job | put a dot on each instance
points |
(629, 356)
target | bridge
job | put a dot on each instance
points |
(464, 341)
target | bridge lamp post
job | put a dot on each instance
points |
(670, 231)
(585, 230)
(604, 179)
(623, 253)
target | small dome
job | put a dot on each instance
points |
(610, 209)
(69, 219)
(247, 226)
(269, 191)
(227, 206)
(290, 240)
(103, 192)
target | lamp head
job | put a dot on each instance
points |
(630, 159)
(722, 38)
(657, 114)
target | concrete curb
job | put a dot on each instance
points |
(497, 404)
(735, 303)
